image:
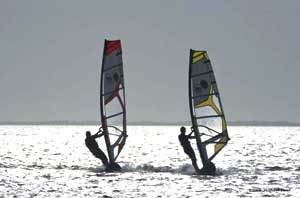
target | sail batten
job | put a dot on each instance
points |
(112, 67)
(206, 110)
(110, 92)
(205, 95)
(114, 115)
(200, 74)
(209, 116)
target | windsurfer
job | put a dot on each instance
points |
(185, 143)
(91, 143)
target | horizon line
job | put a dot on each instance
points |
(231, 123)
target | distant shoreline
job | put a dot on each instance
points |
(149, 123)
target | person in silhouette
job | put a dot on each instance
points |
(91, 143)
(187, 148)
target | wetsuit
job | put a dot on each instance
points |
(185, 143)
(93, 146)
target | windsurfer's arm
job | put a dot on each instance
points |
(98, 134)
(190, 134)
(100, 129)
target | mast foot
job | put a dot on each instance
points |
(208, 169)
(113, 167)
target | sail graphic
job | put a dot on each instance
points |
(112, 99)
(206, 109)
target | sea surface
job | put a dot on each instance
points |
(52, 161)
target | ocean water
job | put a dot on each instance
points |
(52, 161)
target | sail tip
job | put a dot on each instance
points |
(111, 45)
(112, 40)
(195, 50)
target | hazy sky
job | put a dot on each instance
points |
(51, 54)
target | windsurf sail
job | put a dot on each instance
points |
(112, 99)
(208, 119)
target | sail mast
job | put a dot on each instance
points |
(103, 119)
(201, 148)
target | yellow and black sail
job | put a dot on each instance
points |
(206, 109)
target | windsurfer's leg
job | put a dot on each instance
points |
(195, 165)
(190, 152)
(102, 157)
